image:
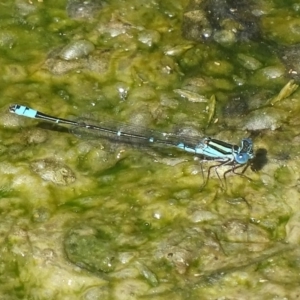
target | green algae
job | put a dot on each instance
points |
(132, 223)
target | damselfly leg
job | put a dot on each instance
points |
(223, 179)
(233, 170)
(215, 167)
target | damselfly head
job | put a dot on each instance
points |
(247, 147)
(242, 158)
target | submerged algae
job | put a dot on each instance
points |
(134, 224)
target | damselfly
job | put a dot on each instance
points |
(209, 148)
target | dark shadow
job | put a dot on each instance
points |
(53, 127)
(260, 159)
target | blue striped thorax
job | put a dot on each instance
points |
(221, 150)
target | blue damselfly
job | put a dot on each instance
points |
(209, 148)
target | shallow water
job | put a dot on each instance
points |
(94, 219)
